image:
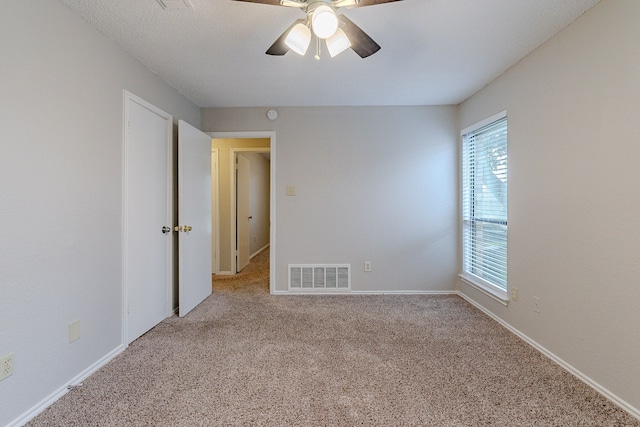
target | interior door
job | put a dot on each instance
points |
(194, 217)
(243, 217)
(147, 240)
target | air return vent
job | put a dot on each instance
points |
(319, 277)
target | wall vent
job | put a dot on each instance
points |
(319, 277)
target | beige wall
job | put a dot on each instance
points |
(373, 184)
(224, 147)
(574, 234)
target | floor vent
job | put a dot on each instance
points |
(319, 277)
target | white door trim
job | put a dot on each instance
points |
(215, 210)
(272, 196)
(128, 98)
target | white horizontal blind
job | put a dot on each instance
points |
(484, 203)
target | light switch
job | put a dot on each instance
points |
(291, 190)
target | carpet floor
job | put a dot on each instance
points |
(244, 357)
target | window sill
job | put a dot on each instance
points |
(491, 291)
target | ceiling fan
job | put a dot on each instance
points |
(338, 31)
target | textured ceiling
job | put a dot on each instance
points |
(434, 52)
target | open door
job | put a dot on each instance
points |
(194, 217)
(243, 217)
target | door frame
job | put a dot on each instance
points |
(128, 98)
(271, 135)
(215, 210)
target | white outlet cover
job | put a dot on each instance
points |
(6, 366)
(74, 330)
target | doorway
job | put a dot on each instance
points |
(258, 148)
(251, 193)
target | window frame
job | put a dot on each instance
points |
(490, 289)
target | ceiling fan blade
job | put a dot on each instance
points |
(361, 43)
(279, 47)
(288, 3)
(363, 3)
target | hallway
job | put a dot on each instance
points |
(253, 278)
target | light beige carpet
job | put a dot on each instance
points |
(244, 357)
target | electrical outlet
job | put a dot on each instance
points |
(536, 304)
(6, 366)
(367, 266)
(74, 330)
(514, 294)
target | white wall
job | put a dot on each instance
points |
(373, 184)
(258, 201)
(574, 198)
(60, 199)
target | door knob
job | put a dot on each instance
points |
(187, 228)
(183, 228)
(166, 229)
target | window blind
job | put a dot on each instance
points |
(484, 203)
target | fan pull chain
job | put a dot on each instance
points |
(317, 56)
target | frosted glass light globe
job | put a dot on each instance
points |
(324, 21)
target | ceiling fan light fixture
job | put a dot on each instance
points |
(324, 21)
(338, 43)
(298, 39)
(291, 3)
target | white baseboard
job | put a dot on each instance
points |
(49, 400)
(259, 250)
(405, 292)
(224, 273)
(634, 412)
(347, 292)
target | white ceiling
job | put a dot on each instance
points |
(434, 52)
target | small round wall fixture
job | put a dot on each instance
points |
(272, 114)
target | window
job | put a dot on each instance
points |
(484, 205)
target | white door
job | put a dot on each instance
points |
(194, 216)
(147, 209)
(243, 217)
